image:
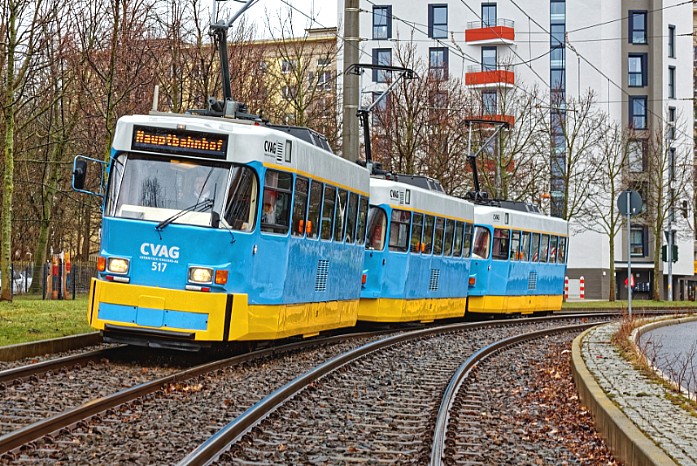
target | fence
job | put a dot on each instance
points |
(66, 280)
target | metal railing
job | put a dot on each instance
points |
(77, 280)
(488, 67)
(509, 23)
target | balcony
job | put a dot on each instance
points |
(486, 33)
(510, 119)
(478, 76)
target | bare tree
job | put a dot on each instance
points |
(574, 129)
(610, 166)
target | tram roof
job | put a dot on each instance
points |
(510, 218)
(405, 196)
(249, 143)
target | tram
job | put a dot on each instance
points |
(219, 229)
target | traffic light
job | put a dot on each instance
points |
(664, 253)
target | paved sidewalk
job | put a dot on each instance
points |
(673, 429)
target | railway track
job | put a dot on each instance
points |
(377, 403)
(96, 424)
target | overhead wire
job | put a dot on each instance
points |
(603, 74)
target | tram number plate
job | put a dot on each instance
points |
(159, 266)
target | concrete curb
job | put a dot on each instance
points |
(36, 348)
(627, 442)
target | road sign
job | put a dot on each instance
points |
(635, 203)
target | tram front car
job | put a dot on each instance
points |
(183, 262)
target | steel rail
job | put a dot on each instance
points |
(453, 388)
(38, 429)
(42, 367)
(211, 449)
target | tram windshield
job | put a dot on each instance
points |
(157, 188)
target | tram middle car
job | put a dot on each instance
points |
(518, 260)
(220, 230)
(416, 261)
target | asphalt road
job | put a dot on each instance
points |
(673, 348)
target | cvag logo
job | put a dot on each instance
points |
(159, 250)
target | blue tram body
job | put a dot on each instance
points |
(220, 230)
(416, 260)
(518, 261)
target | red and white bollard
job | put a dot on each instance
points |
(566, 288)
(582, 286)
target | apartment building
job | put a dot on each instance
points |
(635, 55)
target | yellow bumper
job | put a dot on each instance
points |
(210, 316)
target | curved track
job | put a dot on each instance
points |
(377, 403)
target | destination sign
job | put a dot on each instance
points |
(179, 141)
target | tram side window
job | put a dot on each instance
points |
(399, 230)
(448, 244)
(325, 231)
(480, 249)
(525, 246)
(544, 247)
(340, 215)
(457, 243)
(428, 234)
(438, 237)
(276, 201)
(362, 220)
(312, 226)
(501, 243)
(515, 246)
(351, 221)
(553, 249)
(535, 251)
(240, 211)
(300, 206)
(561, 255)
(377, 224)
(467, 241)
(416, 230)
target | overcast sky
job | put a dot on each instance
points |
(324, 12)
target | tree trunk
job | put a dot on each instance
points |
(657, 277)
(613, 282)
(8, 180)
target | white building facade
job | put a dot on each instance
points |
(635, 55)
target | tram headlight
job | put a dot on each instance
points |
(117, 265)
(200, 274)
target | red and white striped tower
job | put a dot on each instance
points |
(566, 288)
(582, 286)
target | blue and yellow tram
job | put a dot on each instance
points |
(217, 229)
(417, 254)
(518, 260)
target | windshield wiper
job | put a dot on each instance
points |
(198, 207)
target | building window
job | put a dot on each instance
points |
(671, 41)
(671, 82)
(637, 112)
(438, 21)
(636, 155)
(380, 108)
(489, 102)
(671, 123)
(320, 80)
(557, 79)
(637, 27)
(557, 36)
(382, 22)
(382, 57)
(637, 70)
(438, 62)
(637, 241)
(488, 15)
(287, 66)
(489, 59)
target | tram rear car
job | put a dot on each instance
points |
(220, 230)
(518, 262)
(417, 254)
